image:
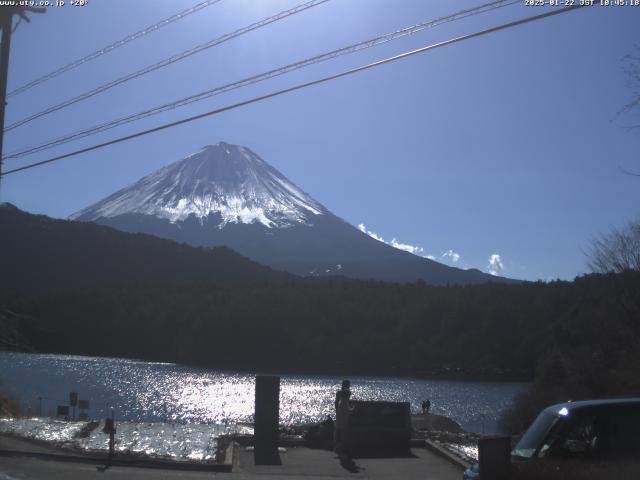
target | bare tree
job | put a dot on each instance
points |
(617, 251)
(632, 69)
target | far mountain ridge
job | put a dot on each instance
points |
(42, 252)
(226, 194)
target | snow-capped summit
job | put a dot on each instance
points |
(224, 179)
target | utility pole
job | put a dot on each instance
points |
(6, 23)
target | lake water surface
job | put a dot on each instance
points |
(165, 392)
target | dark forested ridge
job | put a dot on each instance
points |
(41, 252)
(350, 327)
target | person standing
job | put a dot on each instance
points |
(342, 417)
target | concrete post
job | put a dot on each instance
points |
(267, 419)
(494, 457)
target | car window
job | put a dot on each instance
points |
(573, 438)
(529, 443)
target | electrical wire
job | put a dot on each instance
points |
(259, 78)
(168, 61)
(123, 41)
(378, 63)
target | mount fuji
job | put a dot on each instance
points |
(227, 195)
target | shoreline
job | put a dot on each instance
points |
(187, 443)
(85, 439)
(17, 446)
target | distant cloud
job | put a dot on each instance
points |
(495, 266)
(430, 257)
(451, 255)
(363, 229)
(415, 249)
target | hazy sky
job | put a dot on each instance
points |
(504, 145)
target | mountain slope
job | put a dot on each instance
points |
(42, 252)
(227, 195)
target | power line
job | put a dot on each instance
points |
(129, 38)
(168, 61)
(300, 86)
(371, 42)
(6, 24)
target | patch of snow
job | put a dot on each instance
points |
(173, 440)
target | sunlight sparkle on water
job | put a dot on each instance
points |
(162, 392)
